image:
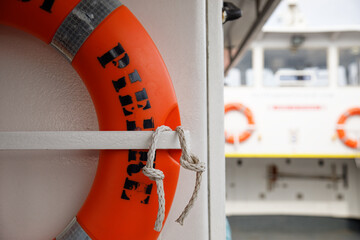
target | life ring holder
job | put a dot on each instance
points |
(230, 138)
(131, 90)
(350, 142)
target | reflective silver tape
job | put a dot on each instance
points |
(80, 23)
(73, 232)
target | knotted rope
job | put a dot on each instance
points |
(187, 160)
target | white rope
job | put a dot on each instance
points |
(187, 160)
(190, 162)
(157, 176)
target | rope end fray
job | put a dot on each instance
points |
(180, 221)
(187, 160)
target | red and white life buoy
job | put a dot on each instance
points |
(350, 142)
(229, 138)
(131, 90)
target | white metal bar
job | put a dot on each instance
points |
(215, 108)
(332, 65)
(65, 140)
(258, 66)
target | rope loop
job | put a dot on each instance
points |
(188, 161)
(153, 174)
(193, 163)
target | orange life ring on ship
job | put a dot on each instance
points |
(131, 90)
(352, 143)
(229, 138)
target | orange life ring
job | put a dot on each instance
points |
(131, 90)
(229, 138)
(352, 143)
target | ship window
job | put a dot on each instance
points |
(242, 74)
(349, 67)
(301, 67)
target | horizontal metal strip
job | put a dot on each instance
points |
(66, 140)
(292, 155)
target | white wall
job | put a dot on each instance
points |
(40, 191)
(293, 121)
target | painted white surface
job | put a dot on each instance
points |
(294, 120)
(216, 162)
(306, 19)
(40, 191)
(318, 197)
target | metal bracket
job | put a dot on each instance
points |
(230, 12)
(274, 175)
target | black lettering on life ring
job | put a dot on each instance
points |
(148, 123)
(112, 54)
(138, 160)
(128, 102)
(119, 84)
(47, 5)
(134, 77)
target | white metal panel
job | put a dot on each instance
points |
(292, 121)
(248, 192)
(41, 191)
(216, 163)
